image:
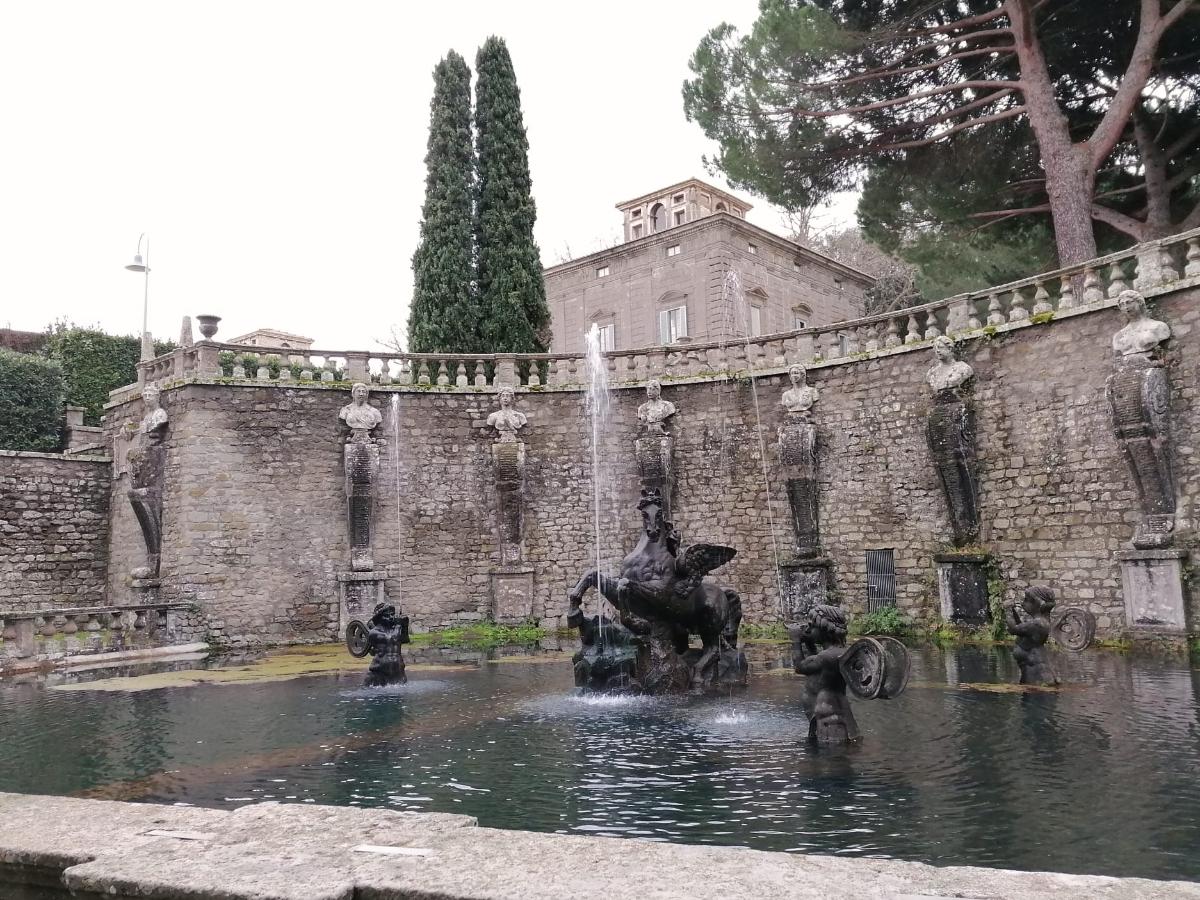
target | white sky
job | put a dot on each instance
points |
(274, 151)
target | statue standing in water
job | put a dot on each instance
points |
(820, 645)
(388, 632)
(1031, 626)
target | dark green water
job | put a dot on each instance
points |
(1099, 778)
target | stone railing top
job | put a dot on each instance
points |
(1153, 268)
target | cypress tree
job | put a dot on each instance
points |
(515, 315)
(444, 316)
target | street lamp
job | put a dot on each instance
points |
(138, 266)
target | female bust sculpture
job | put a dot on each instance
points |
(154, 421)
(360, 417)
(1141, 334)
(798, 400)
(947, 373)
(655, 411)
(506, 420)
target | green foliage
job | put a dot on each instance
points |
(225, 359)
(444, 316)
(512, 293)
(996, 628)
(483, 636)
(94, 363)
(31, 402)
(885, 620)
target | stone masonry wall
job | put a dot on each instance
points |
(53, 530)
(255, 521)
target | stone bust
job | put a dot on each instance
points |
(655, 411)
(1141, 334)
(359, 416)
(154, 421)
(947, 373)
(798, 400)
(506, 420)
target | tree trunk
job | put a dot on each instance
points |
(1158, 193)
(1070, 174)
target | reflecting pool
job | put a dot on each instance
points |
(1098, 777)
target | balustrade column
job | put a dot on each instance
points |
(506, 371)
(1192, 268)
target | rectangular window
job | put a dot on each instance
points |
(601, 271)
(637, 231)
(753, 248)
(673, 250)
(678, 198)
(679, 214)
(635, 214)
(795, 265)
(881, 579)
(755, 321)
(705, 199)
(837, 282)
(608, 337)
(672, 324)
(798, 321)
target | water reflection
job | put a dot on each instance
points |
(1098, 777)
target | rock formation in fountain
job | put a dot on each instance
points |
(512, 582)
(654, 447)
(870, 668)
(1139, 393)
(147, 463)
(662, 598)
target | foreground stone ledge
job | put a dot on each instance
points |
(54, 847)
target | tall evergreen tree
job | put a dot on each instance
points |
(515, 315)
(444, 316)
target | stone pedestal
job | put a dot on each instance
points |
(1152, 582)
(805, 582)
(362, 465)
(654, 455)
(962, 587)
(146, 591)
(358, 592)
(512, 595)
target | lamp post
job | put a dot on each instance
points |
(138, 266)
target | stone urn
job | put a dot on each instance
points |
(208, 326)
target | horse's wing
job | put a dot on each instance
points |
(700, 559)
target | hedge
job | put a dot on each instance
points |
(94, 363)
(31, 402)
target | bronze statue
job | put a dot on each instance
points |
(821, 643)
(662, 598)
(387, 633)
(1032, 630)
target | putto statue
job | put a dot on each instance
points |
(654, 413)
(506, 420)
(798, 400)
(383, 638)
(147, 464)
(950, 430)
(1139, 395)
(661, 598)
(1033, 623)
(361, 456)
(1030, 624)
(870, 668)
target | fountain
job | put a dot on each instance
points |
(662, 599)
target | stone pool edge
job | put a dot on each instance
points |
(52, 847)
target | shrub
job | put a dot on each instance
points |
(885, 620)
(31, 402)
(94, 363)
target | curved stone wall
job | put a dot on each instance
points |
(255, 515)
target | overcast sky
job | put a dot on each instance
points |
(273, 151)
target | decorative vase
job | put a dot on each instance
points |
(208, 326)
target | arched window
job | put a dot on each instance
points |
(720, 207)
(658, 217)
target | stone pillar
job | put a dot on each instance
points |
(358, 594)
(511, 581)
(963, 587)
(361, 456)
(950, 431)
(654, 449)
(147, 459)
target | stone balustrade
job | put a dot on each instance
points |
(1152, 268)
(21, 632)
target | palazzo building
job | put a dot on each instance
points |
(667, 282)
